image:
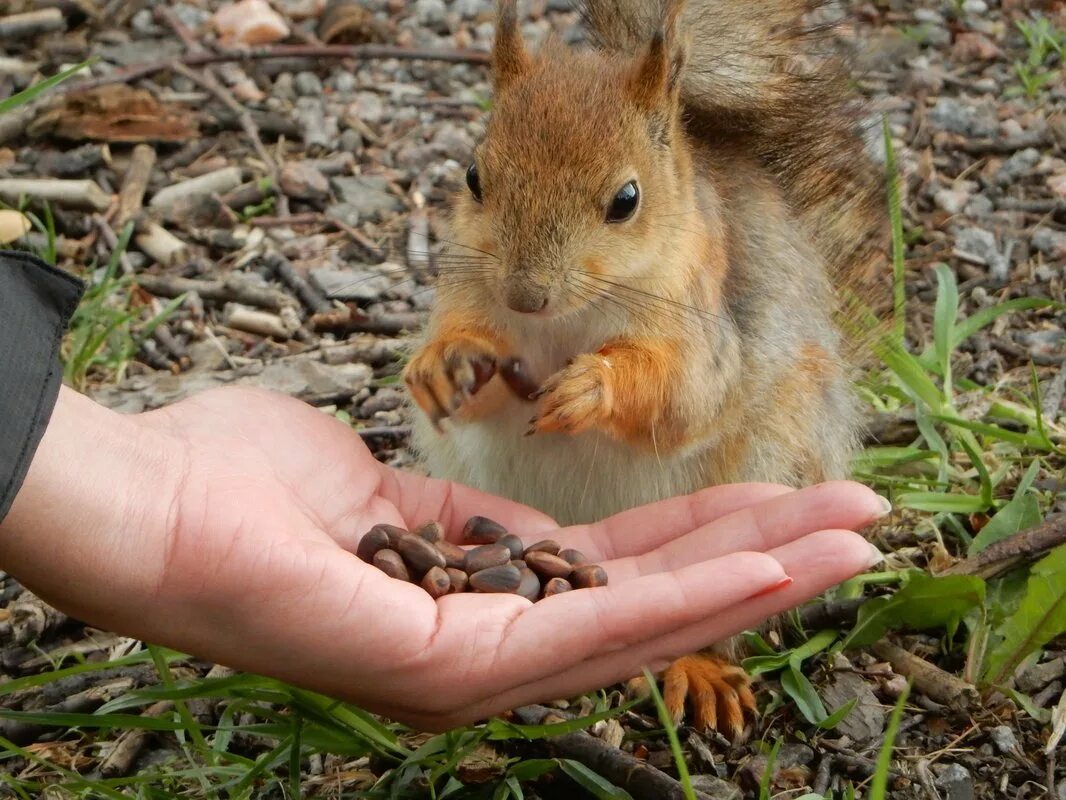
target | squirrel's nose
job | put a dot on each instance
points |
(526, 299)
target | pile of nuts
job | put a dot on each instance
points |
(498, 562)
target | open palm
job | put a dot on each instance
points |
(249, 563)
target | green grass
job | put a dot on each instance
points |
(109, 327)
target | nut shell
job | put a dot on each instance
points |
(454, 555)
(436, 582)
(431, 531)
(485, 556)
(589, 576)
(458, 580)
(482, 530)
(575, 557)
(390, 562)
(504, 578)
(544, 546)
(548, 566)
(419, 554)
(556, 586)
(512, 543)
(373, 541)
(529, 588)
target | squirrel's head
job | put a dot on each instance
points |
(581, 177)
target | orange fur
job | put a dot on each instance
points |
(623, 389)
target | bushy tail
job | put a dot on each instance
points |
(755, 73)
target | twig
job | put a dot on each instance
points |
(358, 52)
(261, 323)
(17, 26)
(111, 240)
(135, 183)
(357, 236)
(75, 194)
(209, 81)
(1006, 554)
(640, 779)
(308, 294)
(928, 678)
(233, 289)
(130, 743)
(980, 147)
(348, 320)
(159, 243)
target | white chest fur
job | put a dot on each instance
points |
(574, 479)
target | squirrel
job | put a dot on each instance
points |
(658, 241)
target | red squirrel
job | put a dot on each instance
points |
(660, 232)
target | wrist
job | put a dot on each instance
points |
(88, 526)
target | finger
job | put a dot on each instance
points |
(420, 499)
(639, 530)
(816, 562)
(610, 619)
(762, 527)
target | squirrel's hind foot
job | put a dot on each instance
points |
(718, 692)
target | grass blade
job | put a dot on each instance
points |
(33, 92)
(671, 735)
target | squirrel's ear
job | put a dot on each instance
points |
(509, 56)
(657, 75)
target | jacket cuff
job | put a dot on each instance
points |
(36, 304)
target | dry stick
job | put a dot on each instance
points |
(347, 320)
(209, 81)
(130, 743)
(358, 51)
(233, 289)
(83, 194)
(17, 26)
(928, 678)
(1006, 554)
(111, 240)
(640, 779)
(308, 294)
(134, 184)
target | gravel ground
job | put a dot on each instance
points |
(297, 199)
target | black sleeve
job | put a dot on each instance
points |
(36, 303)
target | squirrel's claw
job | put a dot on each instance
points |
(718, 692)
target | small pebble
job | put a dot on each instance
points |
(432, 532)
(529, 588)
(457, 580)
(454, 555)
(372, 541)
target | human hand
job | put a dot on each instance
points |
(223, 526)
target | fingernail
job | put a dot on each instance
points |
(886, 507)
(781, 584)
(876, 557)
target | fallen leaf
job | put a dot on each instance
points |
(116, 113)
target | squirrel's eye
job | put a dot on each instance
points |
(624, 203)
(474, 182)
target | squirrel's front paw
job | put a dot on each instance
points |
(446, 373)
(576, 398)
